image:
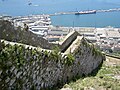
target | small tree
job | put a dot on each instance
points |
(110, 51)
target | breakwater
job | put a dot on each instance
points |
(97, 11)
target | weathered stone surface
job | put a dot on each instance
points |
(12, 82)
(7, 80)
(0, 44)
(0, 72)
(18, 74)
(51, 73)
(15, 71)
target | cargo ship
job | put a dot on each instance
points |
(86, 12)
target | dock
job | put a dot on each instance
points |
(97, 11)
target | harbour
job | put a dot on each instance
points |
(63, 11)
(107, 38)
(60, 44)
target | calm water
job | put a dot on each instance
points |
(21, 7)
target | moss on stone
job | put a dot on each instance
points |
(69, 59)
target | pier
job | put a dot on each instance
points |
(97, 11)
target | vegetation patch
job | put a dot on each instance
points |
(104, 79)
(69, 59)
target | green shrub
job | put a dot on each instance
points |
(69, 59)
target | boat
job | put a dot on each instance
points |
(86, 12)
(29, 3)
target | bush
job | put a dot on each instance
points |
(69, 59)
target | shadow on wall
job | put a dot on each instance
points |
(17, 34)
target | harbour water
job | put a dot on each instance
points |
(22, 8)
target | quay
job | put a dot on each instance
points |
(97, 11)
(66, 13)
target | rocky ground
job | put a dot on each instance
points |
(107, 78)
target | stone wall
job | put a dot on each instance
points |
(0, 45)
(68, 40)
(26, 68)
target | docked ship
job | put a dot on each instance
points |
(86, 12)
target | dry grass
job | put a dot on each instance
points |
(107, 78)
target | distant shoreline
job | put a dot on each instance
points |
(9, 16)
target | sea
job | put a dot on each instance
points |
(33, 7)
